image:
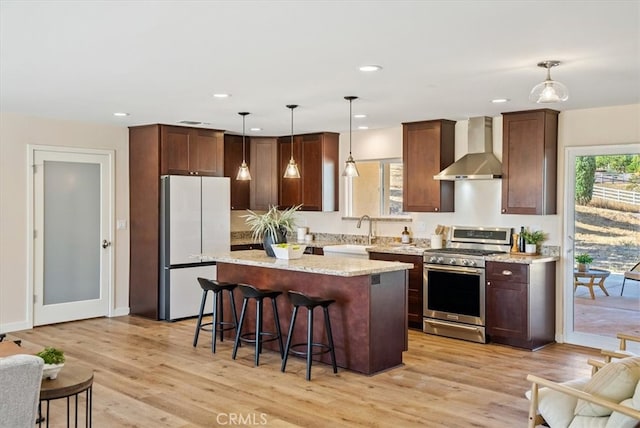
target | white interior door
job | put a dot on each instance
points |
(72, 230)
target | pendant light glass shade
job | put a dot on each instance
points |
(350, 169)
(243, 171)
(292, 168)
(549, 91)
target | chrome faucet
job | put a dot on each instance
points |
(370, 235)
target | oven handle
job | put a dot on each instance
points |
(452, 269)
(460, 326)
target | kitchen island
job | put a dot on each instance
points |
(368, 319)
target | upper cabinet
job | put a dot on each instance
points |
(264, 173)
(529, 162)
(191, 151)
(317, 158)
(232, 160)
(427, 148)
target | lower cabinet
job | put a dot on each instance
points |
(520, 303)
(415, 300)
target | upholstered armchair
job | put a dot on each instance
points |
(20, 378)
(610, 398)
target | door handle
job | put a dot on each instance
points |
(105, 243)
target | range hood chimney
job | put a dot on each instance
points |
(479, 163)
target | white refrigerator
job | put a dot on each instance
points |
(194, 221)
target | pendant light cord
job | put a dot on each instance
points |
(243, 153)
(292, 107)
(350, 122)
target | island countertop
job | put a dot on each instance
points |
(336, 266)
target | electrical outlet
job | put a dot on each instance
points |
(121, 224)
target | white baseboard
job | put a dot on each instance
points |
(118, 312)
(15, 326)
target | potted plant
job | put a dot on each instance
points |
(583, 261)
(272, 227)
(532, 240)
(53, 361)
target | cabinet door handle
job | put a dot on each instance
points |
(488, 282)
(436, 209)
(507, 272)
(504, 210)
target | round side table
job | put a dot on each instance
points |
(71, 381)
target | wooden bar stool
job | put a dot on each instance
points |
(298, 300)
(256, 336)
(217, 319)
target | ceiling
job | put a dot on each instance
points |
(162, 61)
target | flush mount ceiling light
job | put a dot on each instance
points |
(360, 116)
(500, 100)
(120, 114)
(549, 91)
(369, 68)
(221, 95)
(255, 129)
(292, 168)
(350, 169)
(243, 171)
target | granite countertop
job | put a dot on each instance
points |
(524, 259)
(337, 266)
(407, 249)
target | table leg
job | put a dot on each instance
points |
(590, 285)
(601, 285)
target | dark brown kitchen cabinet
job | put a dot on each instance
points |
(520, 303)
(529, 162)
(415, 286)
(156, 150)
(240, 189)
(317, 158)
(191, 151)
(427, 148)
(264, 173)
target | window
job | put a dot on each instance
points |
(378, 189)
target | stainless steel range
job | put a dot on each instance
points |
(454, 282)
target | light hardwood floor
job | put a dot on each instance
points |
(147, 374)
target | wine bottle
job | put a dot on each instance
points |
(521, 241)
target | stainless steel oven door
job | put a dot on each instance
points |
(455, 294)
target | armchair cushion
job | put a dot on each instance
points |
(615, 382)
(557, 408)
(618, 420)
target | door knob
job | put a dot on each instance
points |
(105, 243)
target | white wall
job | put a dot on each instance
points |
(16, 132)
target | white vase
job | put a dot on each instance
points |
(530, 248)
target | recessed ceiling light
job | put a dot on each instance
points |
(121, 114)
(221, 95)
(359, 116)
(500, 100)
(256, 129)
(363, 127)
(370, 68)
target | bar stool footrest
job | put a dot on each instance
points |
(324, 349)
(246, 337)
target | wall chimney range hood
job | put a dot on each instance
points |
(479, 163)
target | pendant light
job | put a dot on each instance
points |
(549, 91)
(350, 169)
(292, 168)
(243, 171)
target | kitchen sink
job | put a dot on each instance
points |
(347, 250)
